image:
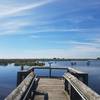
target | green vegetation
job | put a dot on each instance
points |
(36, 62)
(98, 58)
(20, 62)
(28, 63)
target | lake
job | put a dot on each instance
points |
(8, 74)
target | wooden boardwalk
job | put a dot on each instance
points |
(54, 87)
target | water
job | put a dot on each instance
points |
(8, 74)
(7, 79)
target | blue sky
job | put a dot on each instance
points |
(49, 28)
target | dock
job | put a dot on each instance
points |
(73, 85)
(54, 88)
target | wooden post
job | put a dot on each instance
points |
(22, 67)
(50, 72)
(74, 95)
(50, 69)
(66, 86)
(21, 76)
(18, 78)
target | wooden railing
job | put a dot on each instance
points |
(21, 75)
(75, 85)
(50, 69)
(77, 90)
(25, 90)
(82, 76)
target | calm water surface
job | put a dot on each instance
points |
(8, 74)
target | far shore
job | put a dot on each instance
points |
(38, 62)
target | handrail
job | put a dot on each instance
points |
(83, 90)
(32, 68)
(49, 69)
(75, 71)
(82, 76)
(18, 93)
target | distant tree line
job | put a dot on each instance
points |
(36, 62)
(98, 58)
(20, 62)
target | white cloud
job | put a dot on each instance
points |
(15, 25)
(96, 40)
(11, 10)
(80, 30)
(75, 42)
(12, 27)
(87, 48)
(34, 36)
(75, 52)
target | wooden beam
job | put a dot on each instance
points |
(20, 90)
(82, 76)
(83, 90)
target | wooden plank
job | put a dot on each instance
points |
(54, 88)
(73, 70)
(84, 91)
(58, 68)
(19, 91)
(82, 76)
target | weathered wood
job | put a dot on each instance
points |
(54, 88)
(73, 70)
(49, 69)
(21, 75)
(84, 91)
(30, 69)
(20, 90)
(82, 76)
(58, 68)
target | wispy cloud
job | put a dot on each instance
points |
(49, 28)
(35, 36)
(86, 48)
(75, 52)
(17, 26)
(13, 10)
(80, 30)
(12, 27)
(79, 46)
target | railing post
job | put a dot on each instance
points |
(22, 67)
(21, 76)
(50, 72)
(73, 94)
(66, 85)
(50, 63)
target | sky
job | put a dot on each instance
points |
(49, 28)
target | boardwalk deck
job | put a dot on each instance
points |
(54, 88)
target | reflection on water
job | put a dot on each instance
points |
(7, 79)
(8, 74)
(94, 77)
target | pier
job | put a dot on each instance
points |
(53, 87)
(73, 85)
